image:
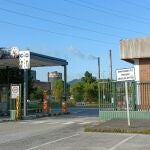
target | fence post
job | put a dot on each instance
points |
(133, 96)
(114, 94)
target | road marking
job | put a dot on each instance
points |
(68, 122)
(39, 122)
(121, 142)
(23, 122)
(44, 144)
(84, 123)
(53, 122)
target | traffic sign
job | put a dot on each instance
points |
(24, 59)
(15, 91)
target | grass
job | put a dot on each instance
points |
(118, 130)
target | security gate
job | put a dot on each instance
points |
(113, 102)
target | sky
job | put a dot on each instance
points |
(78, 31)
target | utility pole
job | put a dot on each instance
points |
(99, 83)
(99, 68)
(110, 63)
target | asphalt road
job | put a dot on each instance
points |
(82, 111)
(65, 133)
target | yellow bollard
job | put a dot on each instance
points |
(17, 108)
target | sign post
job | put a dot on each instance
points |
(127, 102)
(15, 102)
(15, 91)
(24, 63)
(126, 75)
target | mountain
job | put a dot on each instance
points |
(74, 81)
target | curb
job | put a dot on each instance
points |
(36, 116)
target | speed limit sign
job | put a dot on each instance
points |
(15, 90)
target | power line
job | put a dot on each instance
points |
(106, 12)
(135, 4)
(113, 10)
(72, 17)
(56, 22)
(52, 32)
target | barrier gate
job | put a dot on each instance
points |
(112, 100)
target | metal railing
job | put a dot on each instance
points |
(112, 95)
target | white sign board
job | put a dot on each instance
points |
(24, 59)
(14, 91)
(125, 74)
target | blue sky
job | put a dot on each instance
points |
(75, 30)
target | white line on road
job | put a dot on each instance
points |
(53, 122)
(44, 144)
(84, 123)
(69, 122)
(39, 122)
(123, 141)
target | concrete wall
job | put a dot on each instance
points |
(135, 48)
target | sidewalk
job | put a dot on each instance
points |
(122, 123)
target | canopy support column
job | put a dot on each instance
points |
(65, 82)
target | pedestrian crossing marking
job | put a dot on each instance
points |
(52, 123)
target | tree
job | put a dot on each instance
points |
(76, 91)
(37, 93)
(88, 78)
(58, 90)
(90, 92)
(86, 89)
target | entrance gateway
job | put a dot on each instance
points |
(11, 74)
(136, 52)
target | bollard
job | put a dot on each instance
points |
(64, 107)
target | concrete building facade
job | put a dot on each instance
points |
(53, 76)
(137, 52)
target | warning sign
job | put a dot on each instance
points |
(125, 74)
(14, 91)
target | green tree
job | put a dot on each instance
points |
(88, 78)
(58, 90)
(76, 91)
(90, 92)
(86, 89)
(37, 93)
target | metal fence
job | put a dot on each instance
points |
(112, 96)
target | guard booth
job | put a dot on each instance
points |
(8, 76)
(11, 74)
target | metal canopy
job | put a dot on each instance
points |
(37, 60)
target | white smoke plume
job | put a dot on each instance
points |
(79, 54)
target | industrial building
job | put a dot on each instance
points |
(54, 76)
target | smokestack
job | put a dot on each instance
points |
(110, 63)
(98, 68)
